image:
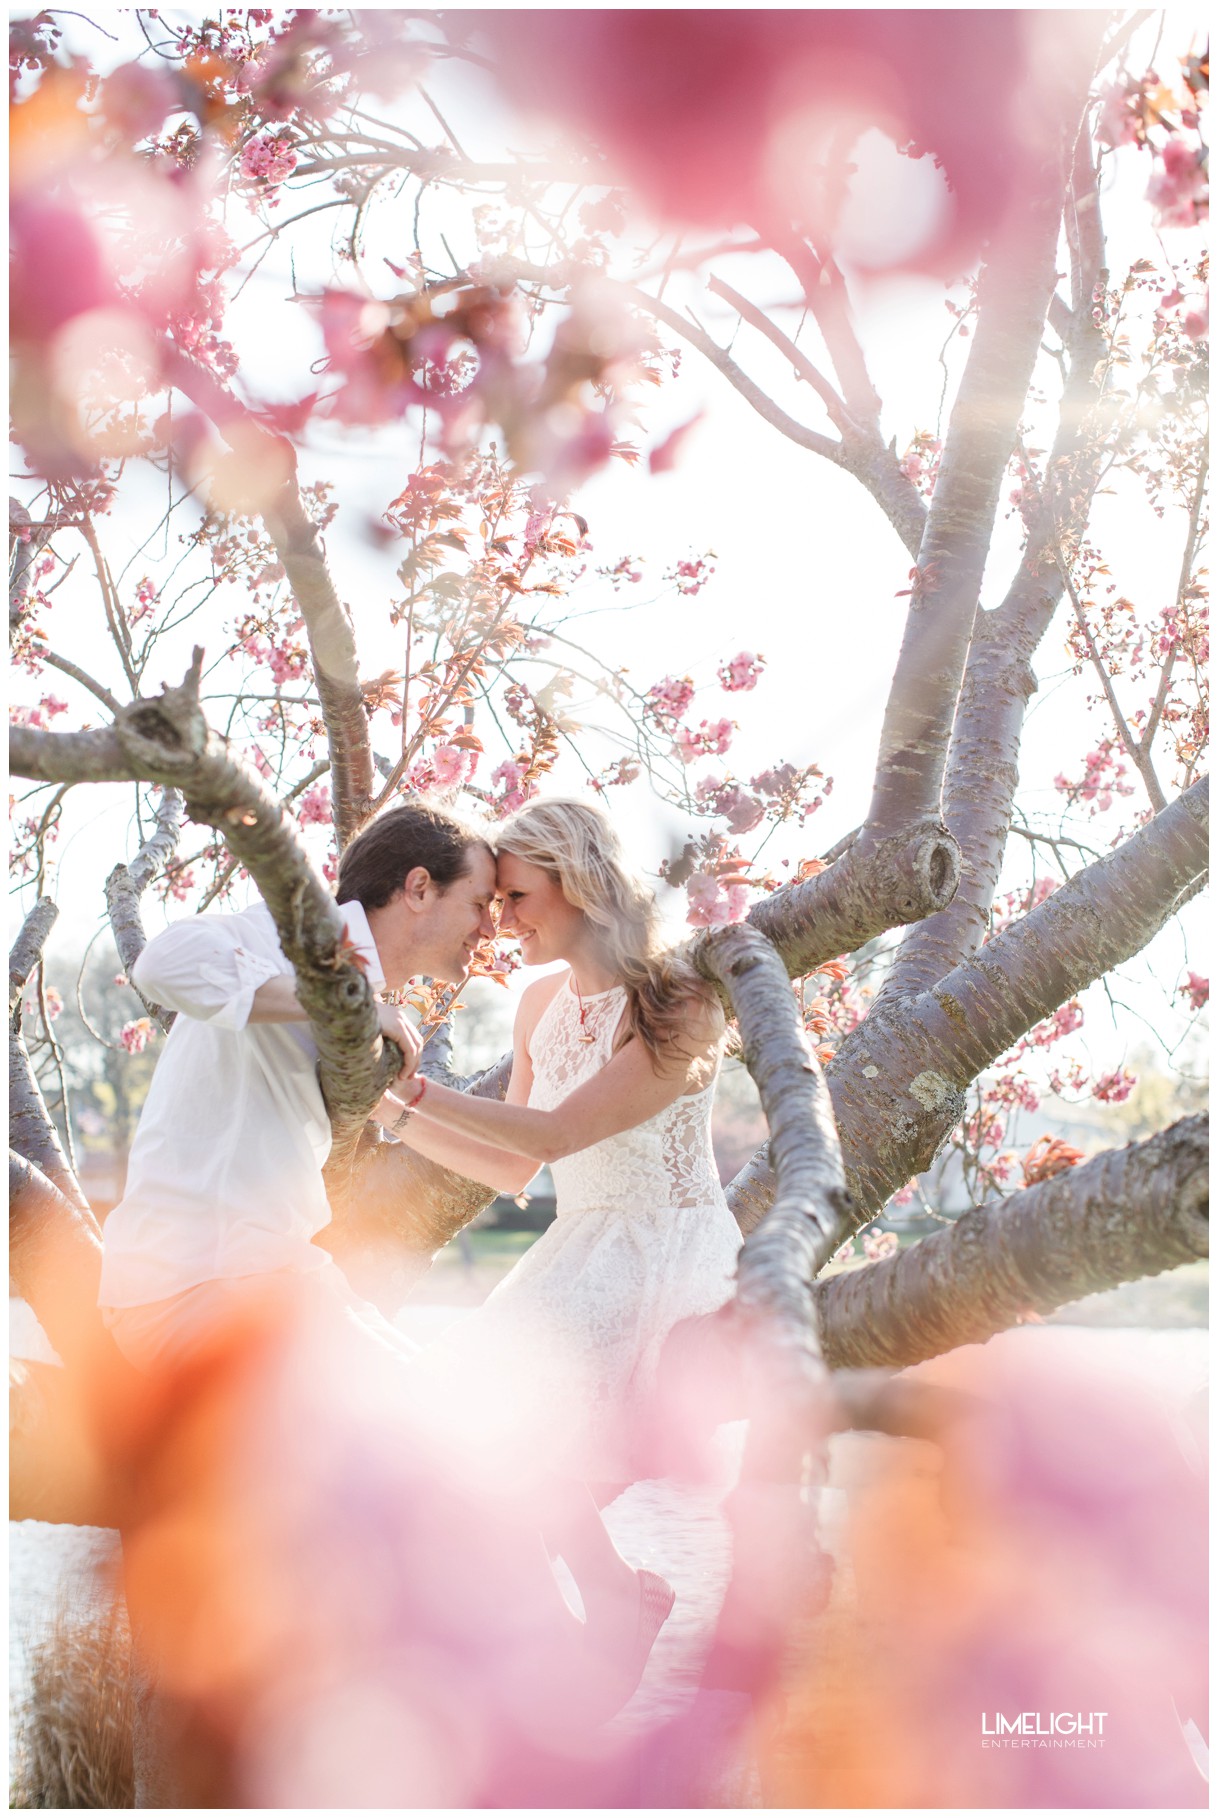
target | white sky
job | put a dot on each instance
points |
(807, 567)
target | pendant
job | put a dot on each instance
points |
(587, 1038)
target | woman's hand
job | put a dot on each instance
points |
(397, 1027)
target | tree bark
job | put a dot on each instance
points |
(127, 883)
(1016, 286)
(785, 1386)
(54, 1258)
(32, 1131)
(983, 758)
(328, 623)
(898, 1080)
(877, 884)
(1125, 1214)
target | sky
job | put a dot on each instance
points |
(808, 571)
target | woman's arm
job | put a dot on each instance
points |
(501, 1168)
(498, 1168)
(626, 1092)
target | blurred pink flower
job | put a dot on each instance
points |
(741, 672)
(1196, 990)
(314, 808)
(136, 1036)
(268, 159)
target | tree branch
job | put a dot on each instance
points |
(32, 1131)
(749, 390)
(328, 624)
(803, 367)
(54, 1258)
(897, 1080)
(1125, 1214)
(876, 884)
(785, 1385)
(166, 740)
(1015, 291)
(983, 757)
(26, 950)
(127, 883)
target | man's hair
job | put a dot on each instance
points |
(419, 832)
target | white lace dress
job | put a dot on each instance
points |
(556, 1363)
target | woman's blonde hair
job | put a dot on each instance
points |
(575, 843)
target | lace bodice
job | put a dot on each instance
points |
(666, 1162)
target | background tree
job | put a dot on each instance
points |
(518, 360)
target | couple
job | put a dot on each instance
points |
(613, 1073)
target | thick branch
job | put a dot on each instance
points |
(54, 1258)
(68, 757)
(31, 1131)
(877, 884)
(983, 758)
(784, 1378)
(127, 883)
(328, 623)
(1016, 287)
(898, 1080)
(26, 950)
(1128, 1213)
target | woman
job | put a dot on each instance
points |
(613, 1073)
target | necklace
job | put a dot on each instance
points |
(585, 1034)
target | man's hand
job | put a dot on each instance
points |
(397, 1027)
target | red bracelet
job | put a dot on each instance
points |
(418, 1097)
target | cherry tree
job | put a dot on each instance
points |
(148, 189)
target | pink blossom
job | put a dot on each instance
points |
(844, 1251)
(1063, 1021)
(742, 810)
(52, 999)
(268, 159)
(1178, 190)
(453, 766)
(313, 808)
(136, 1036)
(713, 904)
(779, 781)
(51, 705)
(1114, 1088)
(512, 775)
(145, 601)
(120, 978)
(26, 716)
(691, 575)
(879, 1244)
(668, 699)
(1197, 991)
(741, 672)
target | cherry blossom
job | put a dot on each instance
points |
(668, 699)
(741, 672)
(1196, 990)
(713, 904)
(1114, 1088)
(314, 807)
(136, 1036)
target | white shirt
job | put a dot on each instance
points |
(224, 1177)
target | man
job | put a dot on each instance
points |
(224, 1184)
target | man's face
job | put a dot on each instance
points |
(451, 922)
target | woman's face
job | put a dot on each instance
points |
(536, 911)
